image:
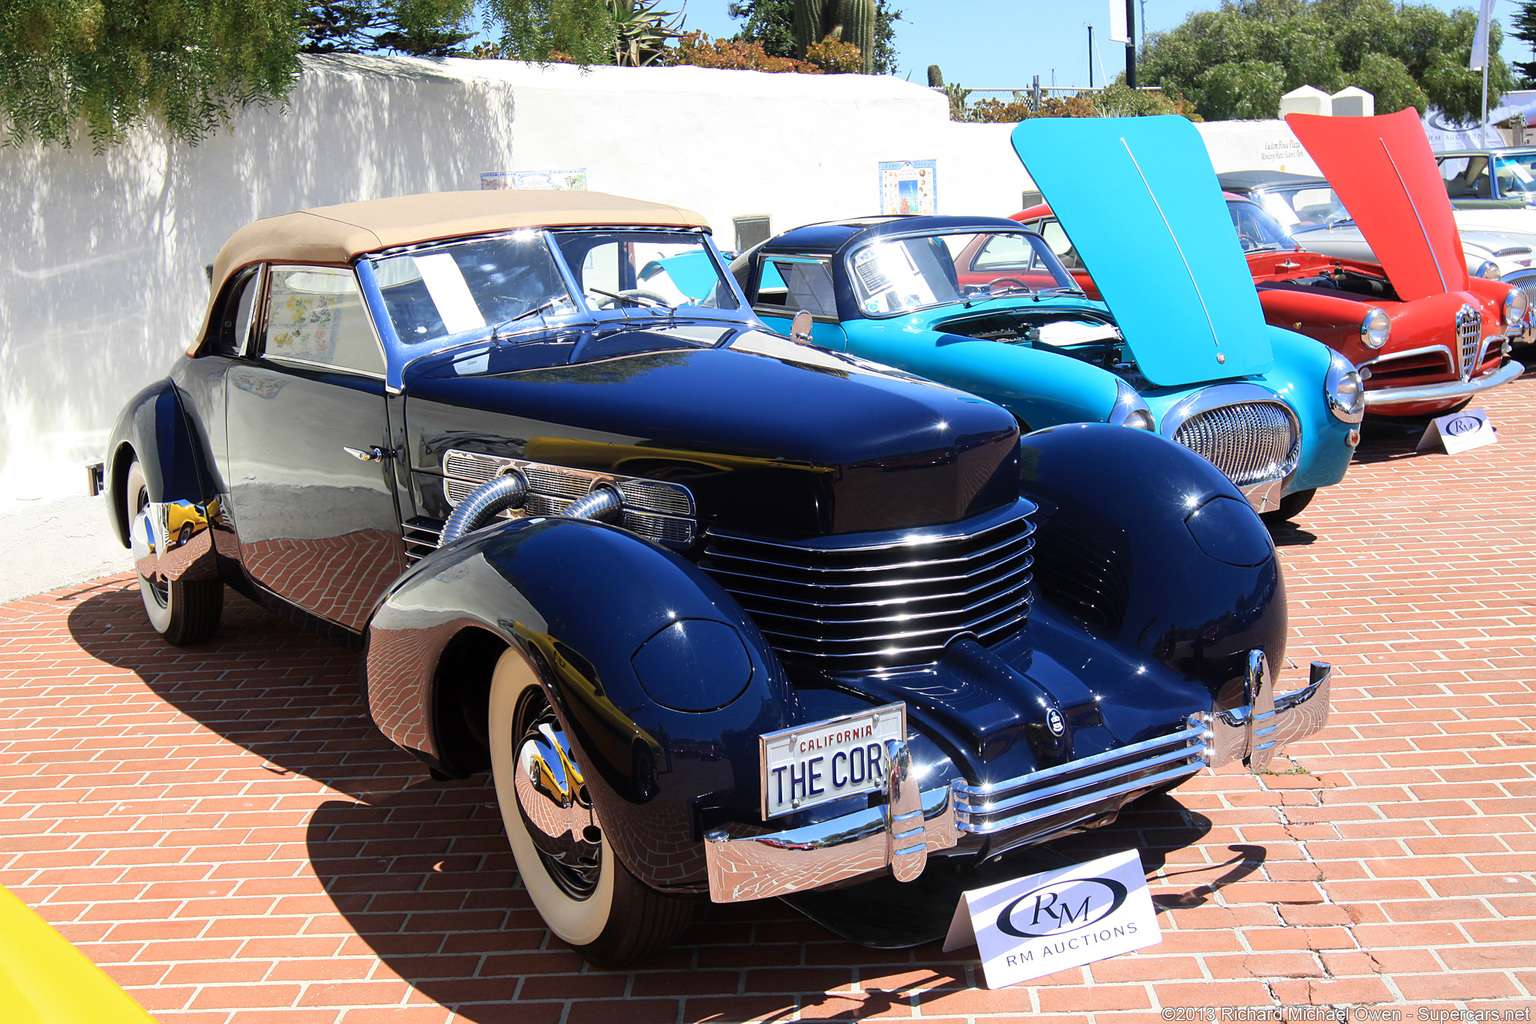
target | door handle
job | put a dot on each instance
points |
(374, 454)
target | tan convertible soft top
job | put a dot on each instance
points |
(337, 234)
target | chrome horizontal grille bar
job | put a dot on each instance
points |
(1081, 785)
(1250, 442)
(854, 605)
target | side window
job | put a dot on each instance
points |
(793, 284)
(316, 315)
(1060, 244)
(232, 330)
(1466, 177)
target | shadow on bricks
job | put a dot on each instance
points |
(421, 870)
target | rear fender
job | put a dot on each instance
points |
(173, 537)
(661, 682)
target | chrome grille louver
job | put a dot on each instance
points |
(1250, 442)
(654, 509)
(1469, 331)
(422, 537)
(854, 603)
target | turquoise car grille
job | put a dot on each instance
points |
(1250, 443)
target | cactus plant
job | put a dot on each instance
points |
(852, 21)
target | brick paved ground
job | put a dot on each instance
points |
(225, 834)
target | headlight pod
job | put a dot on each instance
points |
(1376, 328)
(1130, 409)
(1489, 271)
(1516, 303)
(1344, 390)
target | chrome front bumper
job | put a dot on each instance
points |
(1033, 808)
(1450, 389)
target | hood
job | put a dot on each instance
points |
(1382, 169)
(890, 450)
(1139, 199)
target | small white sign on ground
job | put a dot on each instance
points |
(1042, 923)
(1460, 431)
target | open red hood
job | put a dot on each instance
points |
(1383, 170)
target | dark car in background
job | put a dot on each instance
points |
(727, 616)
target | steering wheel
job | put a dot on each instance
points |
(1247, 241)
(1008, 280)
(640, 297)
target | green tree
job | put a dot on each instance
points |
(420, 28)
(1236, 62)
(1525, 31)
(114, 64)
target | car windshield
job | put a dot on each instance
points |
(1301, 209)
(1516, 173)
(900, 274)
(513, 281)
(1256, 229)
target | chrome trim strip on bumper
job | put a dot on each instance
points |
(1033, 808)
(1450, 389)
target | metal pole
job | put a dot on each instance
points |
(1130, 43)
(1483, 131)
(1090, 56)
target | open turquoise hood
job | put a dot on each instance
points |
(1139, 199)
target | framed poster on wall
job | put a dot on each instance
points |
(908, 186)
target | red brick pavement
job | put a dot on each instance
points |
(225, 834)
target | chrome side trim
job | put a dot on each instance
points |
(1450, 389)
(746, 863)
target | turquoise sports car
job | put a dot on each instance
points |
(1179, 346)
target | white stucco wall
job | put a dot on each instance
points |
(103, 283)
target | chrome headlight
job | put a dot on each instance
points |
(1515, 305)
(1344, 390)
(1376, 328)
(1489, 271)
(1130, 409)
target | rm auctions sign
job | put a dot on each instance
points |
(1057, 919)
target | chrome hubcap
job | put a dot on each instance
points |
(553, 803)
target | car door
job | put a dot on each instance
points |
(310, 461)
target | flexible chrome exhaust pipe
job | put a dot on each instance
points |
(484, 503)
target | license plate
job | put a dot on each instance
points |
(825, 761)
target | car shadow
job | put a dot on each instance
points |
(421, 869)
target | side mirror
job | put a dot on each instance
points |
(800, 327)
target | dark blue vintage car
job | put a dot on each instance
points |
(727, 616)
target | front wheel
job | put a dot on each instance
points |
(584, 894)
(184, 612)
(1290, 507)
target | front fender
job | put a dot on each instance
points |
(1040, 388)
(1299, 375)
(1147, 546)
(661, 681)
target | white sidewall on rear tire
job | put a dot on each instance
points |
(159, 614)
(578, 922)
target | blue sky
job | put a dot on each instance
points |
(1002, 44)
